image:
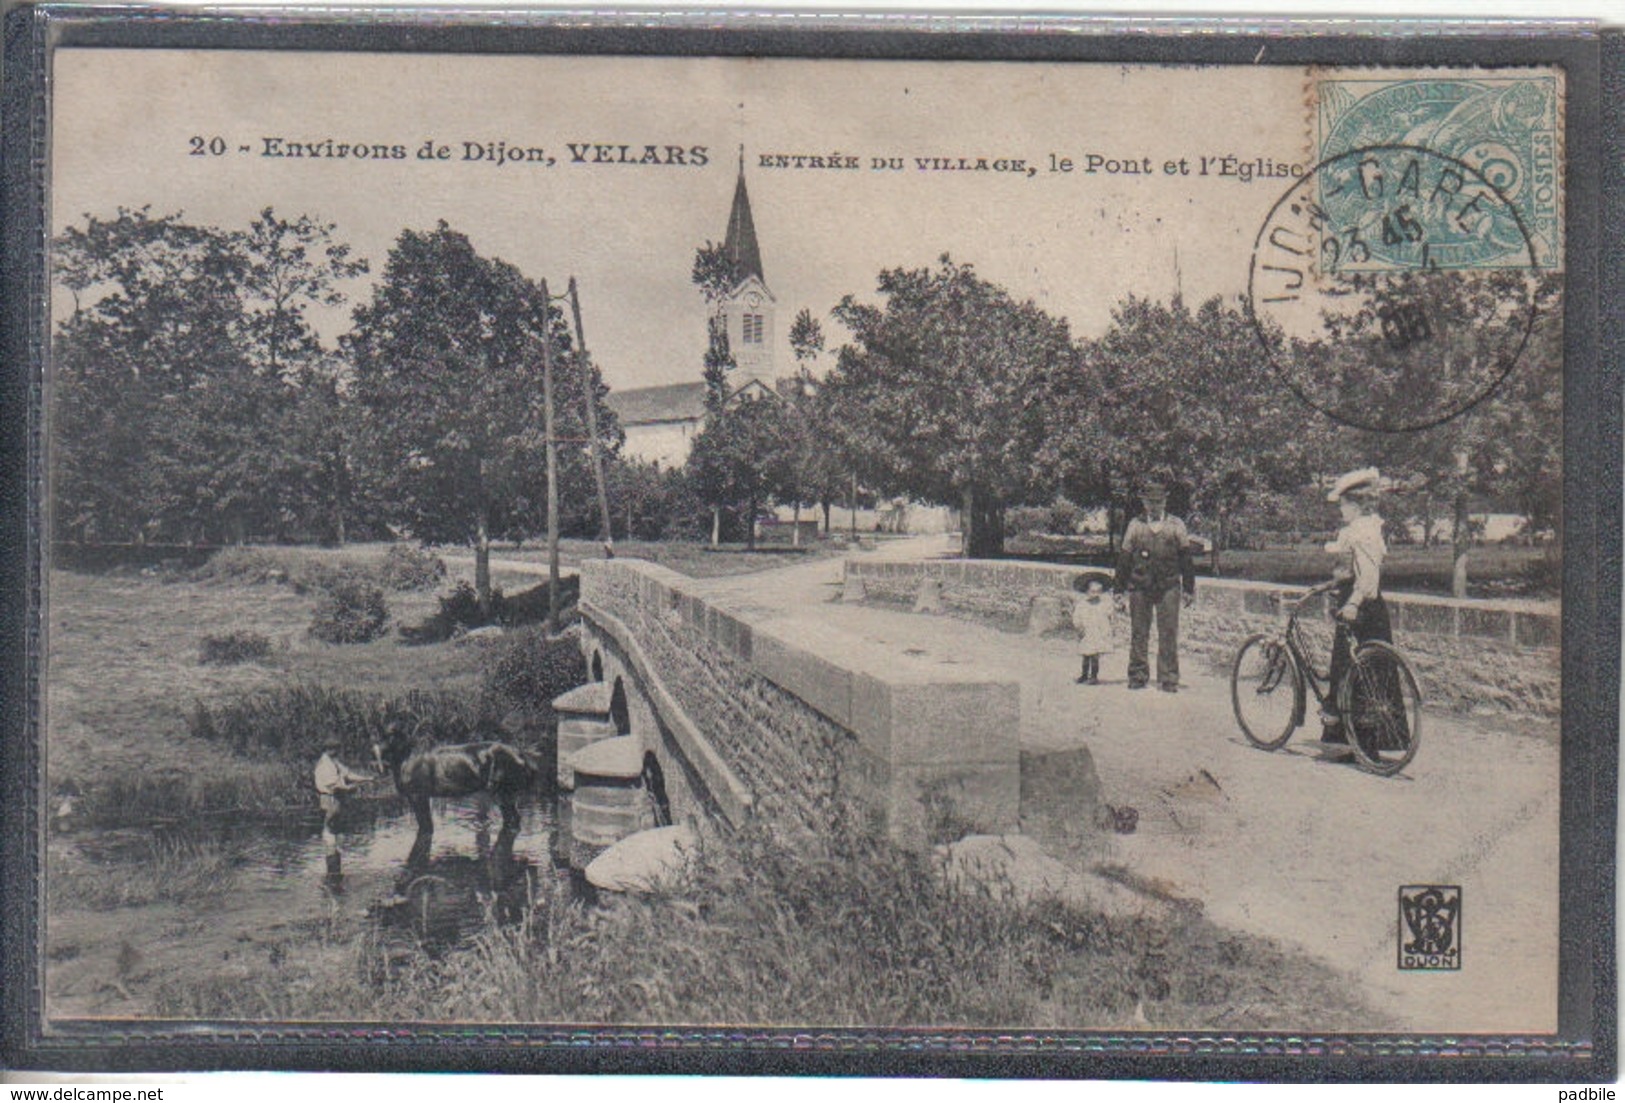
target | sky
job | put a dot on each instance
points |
(1075, 242)
(135, 128)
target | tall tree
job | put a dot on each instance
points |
(155, 398)
(942, 390)
(744, 458)
(818, 469)
(290, 266)
(1182, 396)
(1507, 446)
(447, 361)
(186, 349)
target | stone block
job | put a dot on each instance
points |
(871, 714)
(942, 802)
(591, 699)
(1426, 617)
(953, 722)
(1061, 802)
(865, 776)
(1538, 630)
(732, 635)
(1049, 612)
(823, 685)
(928, 598)
(1493, 624)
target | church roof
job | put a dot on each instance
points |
(650, 405)
(740, 245)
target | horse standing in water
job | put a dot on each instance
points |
(504, 771)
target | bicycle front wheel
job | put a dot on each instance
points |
(1382, 708)
(1265, 688)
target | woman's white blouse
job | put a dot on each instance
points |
(1361, 542)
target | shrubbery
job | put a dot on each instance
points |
(293, 721)
(460, 610)
(234, 647)
(531, 670)
(411, 568)
(404, 567)
(350, 611)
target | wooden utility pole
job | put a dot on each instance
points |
(588, 393)
(552, 469)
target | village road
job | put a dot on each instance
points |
(1287, 845)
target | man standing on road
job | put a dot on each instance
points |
(1156, 570)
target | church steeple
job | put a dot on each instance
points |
(748, 309)
(740, 245)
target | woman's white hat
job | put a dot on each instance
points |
(1366, 479)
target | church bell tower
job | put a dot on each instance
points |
(749, 310)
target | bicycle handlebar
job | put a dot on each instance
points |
(1315, 591)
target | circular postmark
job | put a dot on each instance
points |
(1393, 287)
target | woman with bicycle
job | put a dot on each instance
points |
(1357, 597)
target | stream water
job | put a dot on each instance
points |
(278, 893)
(474, 868)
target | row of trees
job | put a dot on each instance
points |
(952, 391)
(196, 401)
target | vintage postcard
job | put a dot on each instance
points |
(857, 549)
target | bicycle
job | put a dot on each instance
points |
(1379, 701)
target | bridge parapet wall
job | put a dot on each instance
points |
(1473, 655)
(810, 723)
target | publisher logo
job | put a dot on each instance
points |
(1430, 927)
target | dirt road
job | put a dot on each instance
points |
(1285, 845)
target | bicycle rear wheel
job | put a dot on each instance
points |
(1382, 708)
(1265, 689)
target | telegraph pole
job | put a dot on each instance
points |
(552, 469)
(606, 534)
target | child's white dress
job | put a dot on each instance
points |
(1092, 620)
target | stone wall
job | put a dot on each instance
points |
(808, 722)
(1470, 655)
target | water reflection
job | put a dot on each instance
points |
(437, 888)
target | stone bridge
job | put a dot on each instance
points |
(758, 712)
(742, 703)
(936, 697)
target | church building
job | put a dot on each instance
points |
(661, 422)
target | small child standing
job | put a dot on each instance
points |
(1092, 620)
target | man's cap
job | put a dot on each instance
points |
(1358, 483)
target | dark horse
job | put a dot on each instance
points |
(504, 771)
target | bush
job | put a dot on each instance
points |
(531, 670)
(410, 568)
(460, 610)
(233, 648)
(350, 612)
(293, 721)
(302, 573)
(1065, 516)
(245, 565)
(1019, 520)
